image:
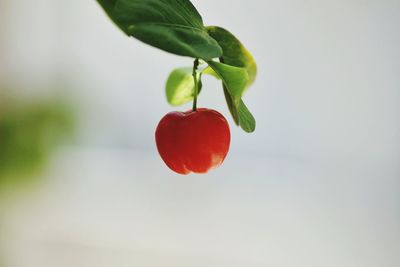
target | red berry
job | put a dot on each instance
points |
(193, 141)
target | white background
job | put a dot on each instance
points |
(317, 184)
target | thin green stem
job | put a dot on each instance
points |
(196, 83)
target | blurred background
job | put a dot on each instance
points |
(317, 184)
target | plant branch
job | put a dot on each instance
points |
(196, 83)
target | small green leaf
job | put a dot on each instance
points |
(240, 114)
(231, 106)
(235, 54)
(174, 26)
(180, 86)
(246, 119)
(235, 79)
(208, 70)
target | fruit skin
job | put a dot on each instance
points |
(193, 141)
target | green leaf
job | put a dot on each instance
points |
(180, 86)
(240, 114)
(246, 119)
(174, 26)
(234, 53)
(235, 79)
(231, 106)
(211, 72)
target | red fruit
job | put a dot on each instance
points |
(193, 141)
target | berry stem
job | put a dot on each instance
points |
(196, 83)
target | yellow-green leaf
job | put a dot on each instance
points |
(234, 52)
(180, 86)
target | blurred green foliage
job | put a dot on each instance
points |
(29, 133)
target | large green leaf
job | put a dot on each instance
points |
(174, 26)
(180, 86)
(234, 53)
